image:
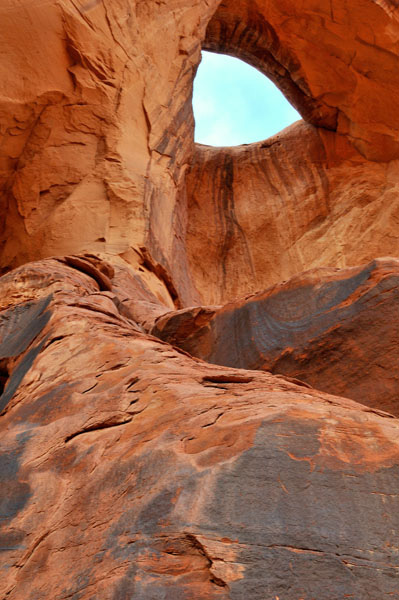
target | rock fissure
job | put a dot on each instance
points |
(202, 550)
(85, 265)
(109, 424)
(214, 421)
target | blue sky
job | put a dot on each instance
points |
(235, 104)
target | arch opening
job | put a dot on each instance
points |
(236, 104)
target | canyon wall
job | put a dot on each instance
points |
(198, 346)
(97, 138)
(302, 199)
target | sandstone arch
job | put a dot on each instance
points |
(300, 200)
(129, 469)
(335, 89)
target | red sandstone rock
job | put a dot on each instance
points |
(97, 136)
(129, 469)
(334, 329)
(270, 210)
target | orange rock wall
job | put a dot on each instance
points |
(128, 468)
(302, 199)
(97, 131)
(96, 127)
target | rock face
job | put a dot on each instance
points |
(97, 138)
(336, 330)
(325, 191)
(303, 199)
(145, 474)
(129, 467)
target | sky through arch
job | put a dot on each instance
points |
(236, 104)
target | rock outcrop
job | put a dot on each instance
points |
(130, 468)
(336, 330)
(265, 212)
(97, 137)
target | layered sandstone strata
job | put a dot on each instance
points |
(302, 199)
(97, 137)
(334, 329)
(130, 469)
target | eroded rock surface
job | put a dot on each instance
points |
(97, 138)
(336, 330)
(133, 471)
(128, 468)
(302, 199)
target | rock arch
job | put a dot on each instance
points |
(283, 213)
(327, 59)
(128, 468)
(241, 30)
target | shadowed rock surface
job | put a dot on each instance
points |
(336, 330)
(128, 468)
